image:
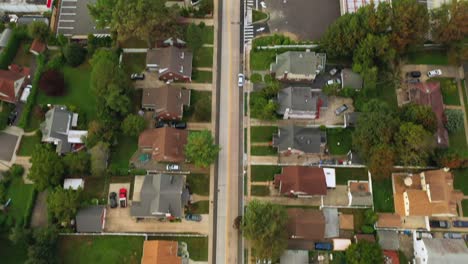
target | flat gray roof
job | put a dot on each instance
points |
(75, 20)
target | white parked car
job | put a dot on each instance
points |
(263, 4)
(172, 167)
(25, 94)
(260, 29)
(333, 71)
(434, 73)
(240, 80)
(334, 81)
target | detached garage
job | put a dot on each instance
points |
(91, 219)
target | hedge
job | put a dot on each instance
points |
(9, 52)
(24, 119)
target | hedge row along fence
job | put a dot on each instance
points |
(24, 120)
(9, 52)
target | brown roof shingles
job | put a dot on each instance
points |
(7, 85)
(306, 224)
(302, 179)
(346, 221)
(166, 99)
(174, 59)
(38, 46)
(160, 252)
(164, 144)
(388, 220)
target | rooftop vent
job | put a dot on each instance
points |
(408, 181)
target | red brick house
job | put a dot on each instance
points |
(304, 181)
(164, 144)
(167, 102)
(171, 63)
(11, 83)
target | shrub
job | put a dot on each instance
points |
(52, 83)
(256, 78)
(367, 229)
(17, 170)
(56, 63)
(454, 120)
(74, 54)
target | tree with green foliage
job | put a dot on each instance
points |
(449, 23)
(133, 125)
(373, 51)
(264, 225)
(99, 157)
(364, 252)
(47, 168)
(194, 37)
(420, 115)
(74, 54)
(454, 120)
(77, 163)
(139, 18)
(261, 107)
(410, 23)
(20, 236)
(202, 109)
(63, 204)
(414, 145)
(201, 149)
(43, 248)
(39, 30)
(381, 161)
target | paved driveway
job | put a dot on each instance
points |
(7, 146)
(305, 19)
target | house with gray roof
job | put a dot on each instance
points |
(351, 80)
(91, 219)
(301, 103)
(160, 196)
(298, 66)
(58, 129)
(350, 119)
(171, 63)
(299, 140)
(440, 250)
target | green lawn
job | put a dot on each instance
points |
(262, 133)
(258, 15)
(449, 90)
(121, 154)
(261, 60)
(100, 249)
(27, 145)
(198, 100)
(263, 173)
(428, 57)
(134, 62)
(457, 140)
(79, 92)
(343, 175)
(197, 246)
(460, 181)
(383, 195)
(339, 141)
(10, 253)
(263, 151)
(95, 188)
(202, 76)
(22, 197)
(259, 190)
(199, 183)
(23, 57)
(202, 207)
(134, 43)
(208, 35)
(465, 207)
(203, 57)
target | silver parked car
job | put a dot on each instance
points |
(341, 109)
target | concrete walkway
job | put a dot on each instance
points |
(203, 68)
(199, 126)
(198, 198)
(197, 21)
(315, 201)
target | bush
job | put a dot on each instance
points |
(52, 83)
(17, 170)
(95, 43)
(74, 54)
(256, 78)
(367, 229)
(56, 63)
(454, 120)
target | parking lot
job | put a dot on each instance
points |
(305, 19)
(75, 20)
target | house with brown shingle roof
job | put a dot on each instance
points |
(429, 193)
(164, 144)
(304, 227)
(388, 221)
(11, 83)
(303, 181)
(430, 94)
(37, 47)
(167, 102)
(171, 63)
(160, 252)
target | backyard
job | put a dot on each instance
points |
(262, 133)
(100, 249)
(428, 57)
(460, 181)
(199, 183)
(262, 173)
(197, 246)
(383, 196)
(123, 151)
(339, 141)
(134, 62)
(79, 93)
(23, 57)
(27, 145)
(259, 190)
(343, 175)
(261, 60)
(95, 188)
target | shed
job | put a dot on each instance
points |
(74, 184)
(341, 244)
(330, 177)
(91, 219)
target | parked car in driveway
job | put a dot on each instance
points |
(113, 200)
(173, 167)
(341, 109)
(453, 235)
(434, 73)
(123, 197)
(25, 94)
(137, 76)
(459, 223)
(193, 217)
(333, 71)
(415, 74)
(179, 125)
(438, 224)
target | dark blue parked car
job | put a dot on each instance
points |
(323, 246)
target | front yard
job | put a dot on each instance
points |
(261, 60)
(262, 173)
(197, 246)
(100, 249)
(199, 183)
(259, 190)
(203, 57)
(457, 140)
(460, 181)
(263, 151)
(339, 141)
(262, 133)
(343, 175)
(201, 207)
(202, 76)
(121, 154)
(79, 92)
(200, 107)
(27, 145)
(383, 196)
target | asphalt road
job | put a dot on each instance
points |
(227, 202)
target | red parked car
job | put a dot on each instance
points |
(123, 197)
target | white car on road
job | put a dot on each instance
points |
(434, 73)
(240, 80)
(263, 4)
